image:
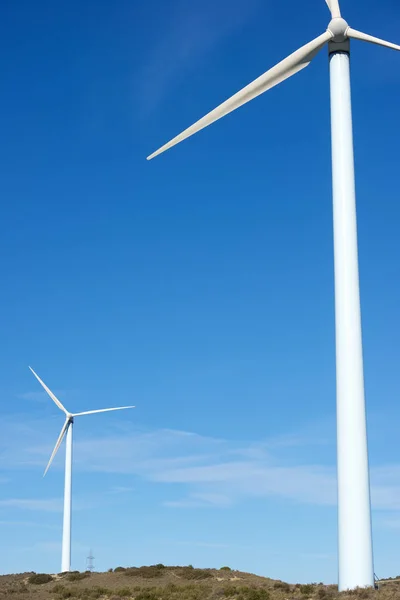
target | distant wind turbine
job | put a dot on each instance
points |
(354, 507)
(66, 431)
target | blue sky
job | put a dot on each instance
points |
(198, 287)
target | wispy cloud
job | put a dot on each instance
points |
(392, 522)
(208, 472)
(200, 500)
(38, 396)
(53, 547)
(198, 544)
(51, 505)
(318, 556)
(25, 524)
(193, 31)
(120, 489)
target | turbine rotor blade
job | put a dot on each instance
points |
(93, 412)
(364, 37)
(50, 393)
(283, 70)
(58, 444)
(334, 8)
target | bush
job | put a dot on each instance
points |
(145, 572)
(124, 592)
(230, 591)
(191, 573)
(40, 578)
(97, 592)
(282, 585)
(66, 593)
(225, 569)
(306, 589)
(146, 595)
(119, 569)
(325, 593)
(246, 593)
(257, 594)
(76, 576)
(361, 592)
(18, 589)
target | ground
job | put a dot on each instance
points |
(175, 583)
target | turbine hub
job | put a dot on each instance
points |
(338, 28)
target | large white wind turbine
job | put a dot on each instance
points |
(354, 507)
(66, 431)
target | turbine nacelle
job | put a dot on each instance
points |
(338, 27)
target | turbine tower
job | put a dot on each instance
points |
(66, 431)
(354, 506)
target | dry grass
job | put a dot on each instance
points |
(175, 583)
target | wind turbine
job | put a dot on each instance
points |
(66, 431)
(354, 506)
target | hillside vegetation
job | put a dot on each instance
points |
(174, 583)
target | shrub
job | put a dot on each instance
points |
(145, 572)
(40, 578)
(18, 589)
(110, 571)
(282, 585)
(325, 593)
(230, 591)
(76, 576)
(124, 592)
(306, 589)
(225, 569)
(98, 592)
(66, 593)
(191, 573)
(146, 595)
(257, 594)
(119, 569)
(246, 593)
(361, 592)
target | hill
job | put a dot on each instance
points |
(174, 583)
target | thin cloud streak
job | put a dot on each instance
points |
(40, 396)
(212, 472)
(194, 30)
(51, 505)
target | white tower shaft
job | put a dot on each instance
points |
(66, 540)
(354, 506)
